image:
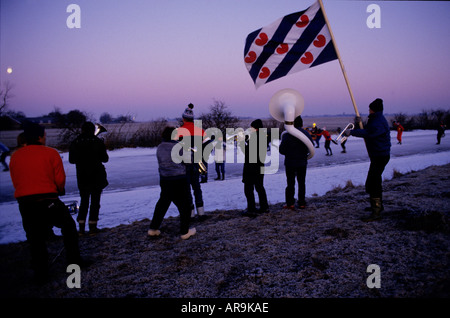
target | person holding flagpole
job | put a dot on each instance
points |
(377, 137)
(302, 40)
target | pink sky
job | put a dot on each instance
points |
(151, 58)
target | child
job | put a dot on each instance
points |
(174, 188)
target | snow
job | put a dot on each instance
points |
(135, 201)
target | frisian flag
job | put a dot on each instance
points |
(293, 43)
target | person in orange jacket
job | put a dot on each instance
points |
(195, 139)
(327, 136)
(38, 176)
(399, 129)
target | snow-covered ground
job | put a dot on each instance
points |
(134, 190)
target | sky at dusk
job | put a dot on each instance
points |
(150, 58)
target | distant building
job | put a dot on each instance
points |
(45, 121)
(9, 123)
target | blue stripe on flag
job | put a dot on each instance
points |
(278, 38)
(328, 54)
(257, 56)
(299, 48)
(250, 38)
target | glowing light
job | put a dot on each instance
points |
(9, 70)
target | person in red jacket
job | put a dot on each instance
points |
(194, 137)
(399, 129)
(38, 176)
(327, 136)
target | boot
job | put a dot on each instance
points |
(223, 176)
(93, 228)
(376, 206)
(190, 232)
(201, 213)
(369, 208)
(200, 210)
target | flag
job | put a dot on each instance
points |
(293, 43)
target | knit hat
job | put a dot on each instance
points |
(376, 105)
(298, 122)
(188, 113)
(88, 128)
(257, 124)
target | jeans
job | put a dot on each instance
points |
(293, 173)
(255, 183)
(94, 197)
(220, 169)
(178, 192)
(374, 176)
(37, 216)
(193, 176)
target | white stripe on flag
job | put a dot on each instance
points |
(313, 51)
(291, 38)
(293, 43)
(261, 40)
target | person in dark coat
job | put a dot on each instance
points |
(316, 134)
(378, 143)
(88, 153)
(253, 176)
(440, 132)
(295, 160)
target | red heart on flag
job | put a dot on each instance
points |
(320, 41)
(265, 72)
(307, 58)
(304, 20)
(262, 40)
(251, 57)
(282, 48)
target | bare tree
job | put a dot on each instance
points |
(5, 96)
(105, 118)
(219, 117)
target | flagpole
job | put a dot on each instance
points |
(340, 62)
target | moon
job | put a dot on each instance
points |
(9, 70)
